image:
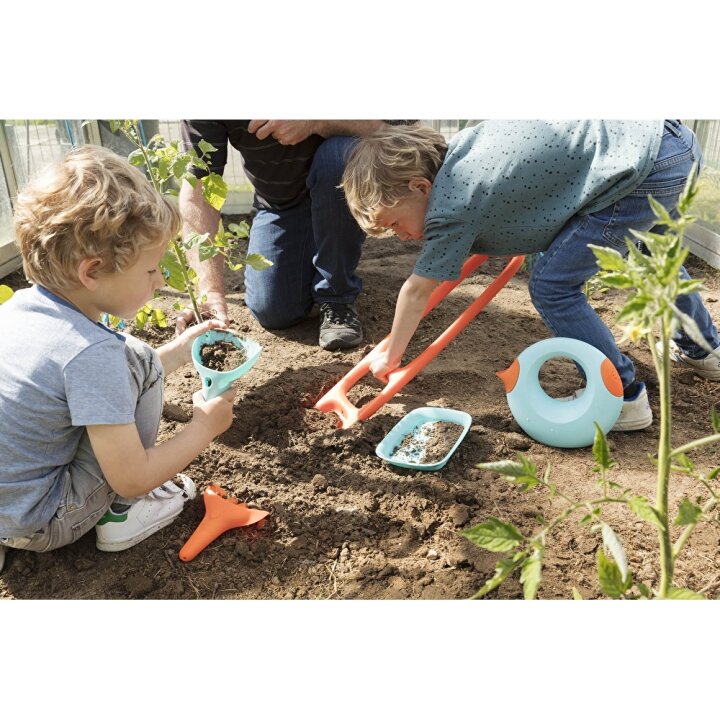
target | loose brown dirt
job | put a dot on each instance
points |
(345, 524)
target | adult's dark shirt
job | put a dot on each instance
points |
(277, 172)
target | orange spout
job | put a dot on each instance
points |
(510, 376)
(221, 513)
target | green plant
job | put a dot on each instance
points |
(654, 284)
(167, 165)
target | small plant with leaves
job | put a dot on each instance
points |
(654, 283)
(167, 165)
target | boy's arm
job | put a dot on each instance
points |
(132, 470)
(411, 303)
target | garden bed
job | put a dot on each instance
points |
(345, 524)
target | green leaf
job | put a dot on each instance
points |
(206, 148)
(601, 452)
(6, 293)
(688, 513)
(611, 581)
(677, 593)
(214, 190)
(618, 280)
(523, 473)
(682, 463)
(503, 569)
(531, 574)
(576, 594)
(241, 230)
(141, 318)
(136, 157)
(644, 590)
(171, 265)
(608, 259)
(258, 262)
(641, 507)
(494, 535)
(715, 420)
(158, 318)
(615, 548)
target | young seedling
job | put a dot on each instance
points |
(654, 284)
(167, 165)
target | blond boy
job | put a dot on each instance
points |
(511, 187)
(80, 403)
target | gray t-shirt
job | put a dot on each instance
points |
(59, 372)
(507, 187)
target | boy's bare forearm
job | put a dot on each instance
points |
(131, 470)
(411, 303)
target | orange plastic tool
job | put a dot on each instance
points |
(336, 398)
(221, 513)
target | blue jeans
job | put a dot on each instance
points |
(556, 283)
(315, 247)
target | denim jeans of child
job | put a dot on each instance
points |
(315, 247)
(556, 284)
(86, 494)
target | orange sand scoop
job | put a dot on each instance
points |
(221, 513)
(336, 399)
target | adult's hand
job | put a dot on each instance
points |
(286, 132)
(215, 306)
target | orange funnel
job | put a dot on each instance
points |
(221, 513)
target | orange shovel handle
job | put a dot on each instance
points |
(336, 398)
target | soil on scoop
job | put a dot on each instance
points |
(222, 356)
(343, 522)
(428, 443)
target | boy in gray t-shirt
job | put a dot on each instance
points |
(80, 403)
(512, 187)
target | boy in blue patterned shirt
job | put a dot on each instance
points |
(509, 187)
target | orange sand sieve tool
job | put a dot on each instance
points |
(336, 398)
(221, 513)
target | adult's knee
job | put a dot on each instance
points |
(272, 316)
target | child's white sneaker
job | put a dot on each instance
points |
(123, 526)
(707, 367)
(636, 413)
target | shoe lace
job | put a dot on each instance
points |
(338, 314)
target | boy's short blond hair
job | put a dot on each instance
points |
(93, 203)
(382, 164)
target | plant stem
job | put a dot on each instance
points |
(695, 444)
(177, 249)
(662, 365)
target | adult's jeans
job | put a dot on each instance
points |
(315, 247)
(556, 284)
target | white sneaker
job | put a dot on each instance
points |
(124, 526)
(707, 367)
(636, 414)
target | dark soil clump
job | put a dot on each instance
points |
(222, 356)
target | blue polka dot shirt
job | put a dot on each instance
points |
(507, 187)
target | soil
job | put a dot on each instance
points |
(429, 443)
(222, 356)
(345, 524)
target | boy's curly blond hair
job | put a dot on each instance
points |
(382, 164)
(93, 203)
